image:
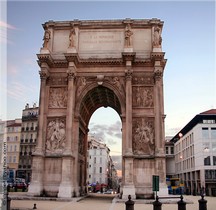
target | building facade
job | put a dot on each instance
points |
(98, 162)
(170, 158)
(13, 134)
(28, 141)
(195, 154)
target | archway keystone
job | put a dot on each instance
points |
(86, 65)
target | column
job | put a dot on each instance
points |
(36, 186)
(128, 188)
(70, 107)
(128, 111)
(66, 187)
(159, 128)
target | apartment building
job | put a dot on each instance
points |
(195, 153)
(99, 162)
(13, 133)
(28, 141)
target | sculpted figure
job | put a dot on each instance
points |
(55, 135)
(143, 142)
(157, 37)
(71, 37)
(58, 98)
(128, 36)
(80, 85)
(46, 38)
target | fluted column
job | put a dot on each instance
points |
(44, 73)
(128, 111)
(159, 112)
(128, 188)
(36, 186)
(70, 106)
(66, 187)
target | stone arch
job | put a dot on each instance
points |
(131, 75)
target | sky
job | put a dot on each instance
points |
(188, 42)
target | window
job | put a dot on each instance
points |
(100, 160)
(15, 148)
(205, 133)
(172, 150)
(94, 159)
(14, 159)
(213, 133)
(207, 161)
(167, 150)
(100, 169)
(214, 160)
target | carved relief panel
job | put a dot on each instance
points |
(143, 136)
(143, 96)
(58, 97)
(56, 135)
(81, 142)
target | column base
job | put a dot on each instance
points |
(163, 190)
(35, 189)
(65, 190)
(128, 190)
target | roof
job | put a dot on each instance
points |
(207, 115)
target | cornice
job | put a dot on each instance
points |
(80, 62)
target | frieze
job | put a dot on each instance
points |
(143, 96)
(58, 97)
(56, 80)
(143, 136)
(56, 135)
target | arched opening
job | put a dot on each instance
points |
(99, 100)
(105, 144)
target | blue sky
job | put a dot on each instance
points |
(188, 41)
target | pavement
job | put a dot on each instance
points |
(98, 202)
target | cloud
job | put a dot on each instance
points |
(3, 32)
(6, 25)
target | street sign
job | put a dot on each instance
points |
(155, 183)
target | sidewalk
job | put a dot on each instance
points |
(106, 203)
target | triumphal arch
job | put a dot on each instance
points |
(85, 65)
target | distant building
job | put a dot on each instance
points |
(100, 168)
(28, 141)
(13, 133)
(195, 153)
(170, 157)
(2, 152)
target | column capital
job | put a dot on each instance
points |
(128, 73)
(44, 74)
(71, 74)
(158, 74)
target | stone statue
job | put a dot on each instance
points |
(71, 37)
(46, 38)
(56, 137)
(128, 36)
(157, 37)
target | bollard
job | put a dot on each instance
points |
(129, 204)
(181, 204)
(157, 204)
(35, 207)
(202, 203)
(8, 201)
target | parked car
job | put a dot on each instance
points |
(110, 191)
(20, 185)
